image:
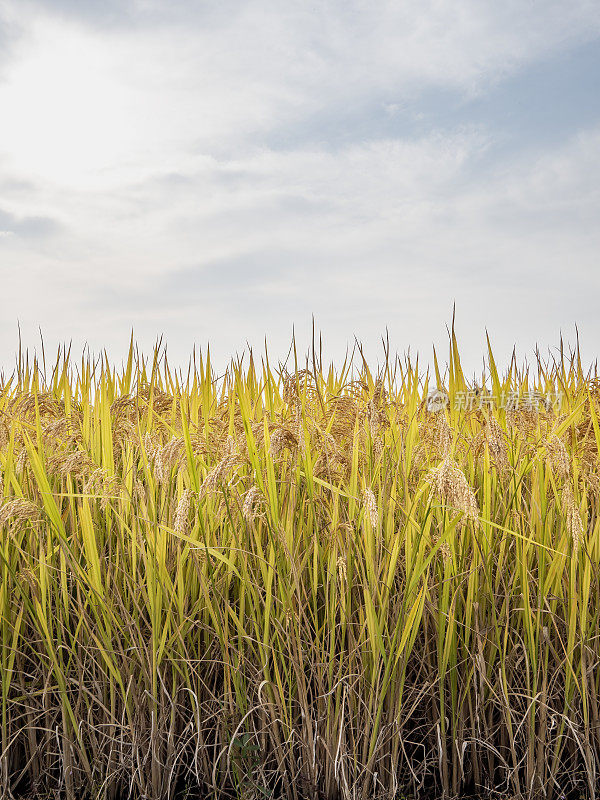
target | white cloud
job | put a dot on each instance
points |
(373, 235)
(153, 146)
(82, 104)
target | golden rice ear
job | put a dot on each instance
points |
(181, 522)
(558, 456)
(452, 487)
(171, 455)
(214, 478)
(573, 515)
(253, 497)
(342, 570)
(435, 436)
(77, 463)
(370, 503)
(496, 442)
(18, 511)
(21, 460)
(282, 438)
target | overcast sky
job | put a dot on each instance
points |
(221, 171)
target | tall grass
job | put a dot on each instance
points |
(298, 582)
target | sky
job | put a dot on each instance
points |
(221, 172)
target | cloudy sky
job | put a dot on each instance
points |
(220, 171)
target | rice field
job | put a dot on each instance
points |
(299, 581)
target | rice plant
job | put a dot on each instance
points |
(299, 581)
